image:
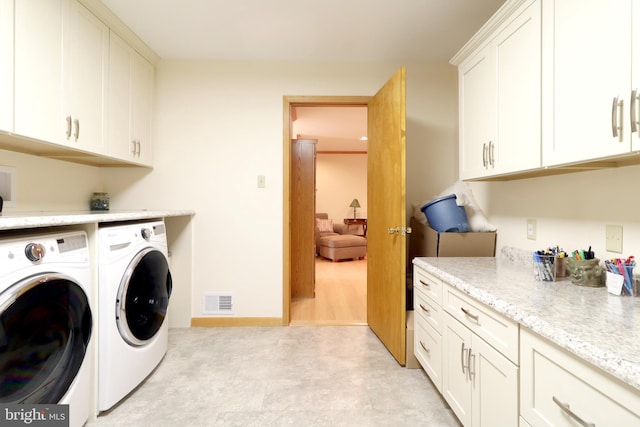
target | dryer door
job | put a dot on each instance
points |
(143, 297)
(45, 327)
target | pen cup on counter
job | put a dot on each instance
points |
(544, 267)
(586, 272)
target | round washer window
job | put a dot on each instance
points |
(45, 327)
(143, 297)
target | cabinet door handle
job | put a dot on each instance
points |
(425, 284)
(635, 98)
(468, 314)
(616, 128)
(463, 353)
(425, 309)
(76, 135)
(565, 409)
(471, 364)
(68, 127)
(425, 348)
(484, 155)
(138, 148)
(492, 161)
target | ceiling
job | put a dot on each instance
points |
(400, 31)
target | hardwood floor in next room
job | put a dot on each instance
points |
(341, 295)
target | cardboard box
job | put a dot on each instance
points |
(411, 362)
(426, 242)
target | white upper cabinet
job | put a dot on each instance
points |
(38, 70)
(131, 89)
(587, 72)
(61, 53)
(500, 98)
(85, 68)
(634, 107)
(6, 65)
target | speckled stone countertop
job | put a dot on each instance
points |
(19, 220)
(601, 328)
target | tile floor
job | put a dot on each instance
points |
(280, 376)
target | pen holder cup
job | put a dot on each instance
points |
(586, 272)
(545, 267)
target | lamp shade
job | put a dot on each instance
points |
(355, 204)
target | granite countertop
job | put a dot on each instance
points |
(19, 220)
(598, 327)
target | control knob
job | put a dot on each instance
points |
(34, 252)
(146, 233)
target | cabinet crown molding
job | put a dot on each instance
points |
(489, 29)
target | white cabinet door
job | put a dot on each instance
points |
(131, 97)
(494, 383)
(456, 387)
(6, 65)
(38, 70)
(634, 107)
(85, 67)
(587, 68)
(478, 112)
(518, 55)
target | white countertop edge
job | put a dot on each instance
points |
(607, 361)
(20, 220)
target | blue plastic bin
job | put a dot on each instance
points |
(444, 215)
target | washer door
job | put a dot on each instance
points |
(45, 327)
(143, 297)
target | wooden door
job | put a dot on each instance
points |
(303, 195)
(386, 251)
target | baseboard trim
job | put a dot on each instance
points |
(236, 321)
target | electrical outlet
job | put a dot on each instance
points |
(614, 238)
(531, 229)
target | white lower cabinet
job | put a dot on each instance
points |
(6, 65)
(558, 389)
(479, 383)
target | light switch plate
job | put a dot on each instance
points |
(614, 238)
(531, 229)
(261, 181)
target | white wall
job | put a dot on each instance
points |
(219, 126)
(340, 178)
(51, 185)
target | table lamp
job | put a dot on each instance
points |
(354, 204)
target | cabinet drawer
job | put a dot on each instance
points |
(428, 351)
(427, 284)
(548, 372)
(426, 309)
(494, 328)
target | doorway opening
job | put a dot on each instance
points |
(340, 296)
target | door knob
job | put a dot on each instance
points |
(397, 230)
(393, 230)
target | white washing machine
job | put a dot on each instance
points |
(46, 321)
(134, 286)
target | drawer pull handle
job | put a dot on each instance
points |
(565, 409)
(468, 314)
(425, 348)
(425, 284)
(425, 309)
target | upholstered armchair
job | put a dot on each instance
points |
(326, 227)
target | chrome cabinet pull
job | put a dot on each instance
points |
(68, 127)
(425, 284)
(484, 155)
(425, 309)
(133, 147)
(425, 348)
(76, 135)
(565, 409)
(462, 357)
(393, 230)
(468, 314)
(635, 98)
(491, 150)
(406, 230)
(616, 127)
(138, 148)
(470, 365)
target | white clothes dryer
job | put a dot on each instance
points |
(46, 321)
(134, 286)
